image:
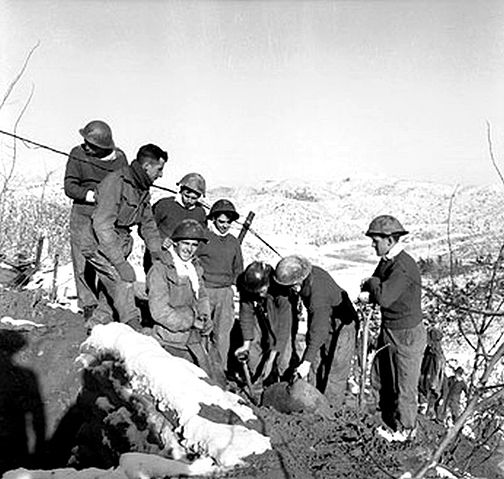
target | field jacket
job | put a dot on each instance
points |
(121, 204)
(272, 315)
(328, 307)
(173, 304)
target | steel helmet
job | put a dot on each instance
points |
(189, 229)
(193, 181)
(385, 225)
(256, 276)
(99, 134)
(292, 269)
(223, 207)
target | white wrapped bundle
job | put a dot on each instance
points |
(178, 385)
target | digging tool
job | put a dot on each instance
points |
(243, 360)
(364, 355)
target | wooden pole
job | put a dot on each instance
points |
(54, 292)
(38, 254)
(246, 226)
(364, 356)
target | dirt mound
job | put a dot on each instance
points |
(81, 421)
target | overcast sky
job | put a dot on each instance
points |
(244, 91)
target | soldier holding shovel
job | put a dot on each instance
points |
(265, 320)
(332, 326)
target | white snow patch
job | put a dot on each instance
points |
(178, 385)
(20, 322)
(443, 472)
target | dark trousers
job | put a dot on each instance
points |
(116, 292)
(396, 372)
(223, 311)
(84, 274)
(329, 372)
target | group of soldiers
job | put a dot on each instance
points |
(193, 265)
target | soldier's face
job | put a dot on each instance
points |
(263, 291)
(186, 249)
(154, 170)
(382, 244)
(222, 223)
(96, 151)
(189, 197)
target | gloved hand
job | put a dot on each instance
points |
(204, 325)
(242, 353)
(303, 369)
(126, 272)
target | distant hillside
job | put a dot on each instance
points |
(290, 213)
(327, 221)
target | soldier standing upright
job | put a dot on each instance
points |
(222, 262)
(123, 201)
(396, 287)
(87, 165)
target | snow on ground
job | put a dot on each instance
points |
(178, 385)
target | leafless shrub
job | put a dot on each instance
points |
(475, 303)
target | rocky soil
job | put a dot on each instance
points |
(43, 393)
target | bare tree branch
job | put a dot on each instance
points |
(476, 403)
(10, 172)
(448, 235)
(490, 150)
(19, 75)
(458, 307)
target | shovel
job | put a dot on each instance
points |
(243, 360)
(364, 356)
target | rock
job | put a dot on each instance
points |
(297, 397)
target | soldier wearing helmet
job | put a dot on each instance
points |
(265, 322)
(222, 262)
(178, 299)
(170, 211)
(122, 202)
(332, 325)
(396, 287)
(87, 166)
